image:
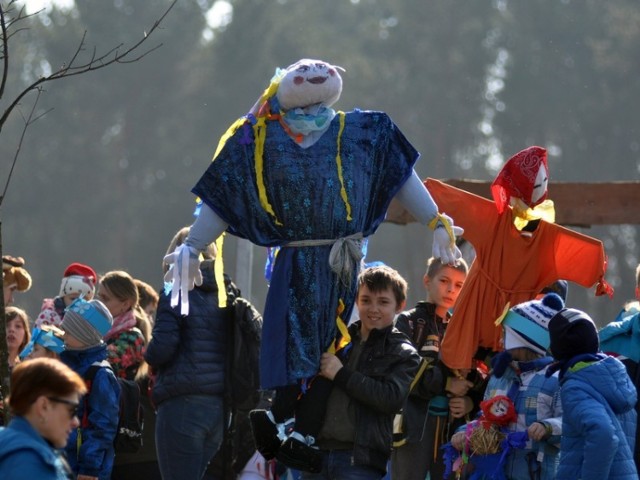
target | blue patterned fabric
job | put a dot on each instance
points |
(303, 187)
(536, 398)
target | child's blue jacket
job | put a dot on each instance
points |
(94, 456)
(598, 423)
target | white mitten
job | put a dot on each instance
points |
(444, 239)
(184, 273)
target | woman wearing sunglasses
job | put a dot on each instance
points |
(45, 395)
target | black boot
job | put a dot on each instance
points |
(297, 454)
(265, 433)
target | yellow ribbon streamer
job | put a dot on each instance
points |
(500, 319)
(343, 191)
(218, 272)
(345, 338)
(260, 132)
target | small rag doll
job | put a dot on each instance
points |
(487, 442)
(316, 183)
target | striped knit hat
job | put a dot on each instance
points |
(527, 324)
(88, 321)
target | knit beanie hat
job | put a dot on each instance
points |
(50, 337)
(88, 321)
(527, 324)
(78, 278)
(572, 333)
(561, 287)
(13, 272)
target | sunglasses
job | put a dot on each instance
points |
(72, 406)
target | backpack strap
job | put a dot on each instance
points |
(423, 366)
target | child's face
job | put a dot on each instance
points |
(72, 342)
(69, 298)
(40, 352)
(443, 289)
(16, 334)
(150, 310)
(376, 309)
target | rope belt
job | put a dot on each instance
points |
(345, 256)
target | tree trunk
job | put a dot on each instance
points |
(4, 353)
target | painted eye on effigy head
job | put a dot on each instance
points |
(499, 408)
(541, 184)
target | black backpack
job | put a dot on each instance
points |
(242, 391)
(130, 417)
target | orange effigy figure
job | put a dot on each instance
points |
(518, 253)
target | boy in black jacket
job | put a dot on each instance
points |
(371, 385)
(439, 398)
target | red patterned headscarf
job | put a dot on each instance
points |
(518, 177)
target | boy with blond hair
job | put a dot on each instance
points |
(438, 397)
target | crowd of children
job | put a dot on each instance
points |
(485, 380)
(548, 404)
(552, 370)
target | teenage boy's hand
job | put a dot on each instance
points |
(458, 386)
(460, 406)
(329, 365)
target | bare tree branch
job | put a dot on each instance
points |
(27, 122)
(70, 69)
(7, 28)
(96, 62)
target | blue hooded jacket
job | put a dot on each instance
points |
(598, 422)
(622, 336)
(25, 454)
(95, 455)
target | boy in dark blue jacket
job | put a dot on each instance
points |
(598, 399)
(90, 449)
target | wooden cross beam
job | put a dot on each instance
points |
(576, 204)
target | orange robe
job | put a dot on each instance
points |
(509, 268)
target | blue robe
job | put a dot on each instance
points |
(304, 188)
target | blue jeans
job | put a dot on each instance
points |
(188, 434)
(337, 466)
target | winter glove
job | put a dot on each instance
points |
(184, 273)
(444, 239)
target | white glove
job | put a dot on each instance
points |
(184, 273)
(444, 239)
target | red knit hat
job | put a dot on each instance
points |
(81, 270)
(518, 177)
(78, 278)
